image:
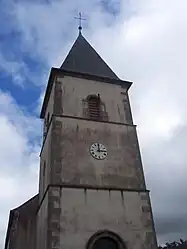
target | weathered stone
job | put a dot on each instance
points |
(81, 213)
(146, 209)
(149, 238)
(58, 103)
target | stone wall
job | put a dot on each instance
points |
(72, 162)
(45, 159)
(71, 93)
(75, 211)
(42, 223)
(81, 213)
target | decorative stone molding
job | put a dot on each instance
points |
(107, 235)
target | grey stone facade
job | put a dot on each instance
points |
(88, 195)
(80, 196)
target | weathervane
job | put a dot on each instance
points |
(80, 21)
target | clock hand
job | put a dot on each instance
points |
(98, 148)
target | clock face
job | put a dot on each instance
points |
(98, 151)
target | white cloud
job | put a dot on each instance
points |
(149, 48)
(19, 157)
(145, 43)
(13, 69)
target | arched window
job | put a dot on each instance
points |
(105, 240)
(94, 107)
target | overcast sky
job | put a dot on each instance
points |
(143, 41)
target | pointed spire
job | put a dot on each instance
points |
(82, 58)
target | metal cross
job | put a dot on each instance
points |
(80, 21)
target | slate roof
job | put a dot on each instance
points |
(83, 58)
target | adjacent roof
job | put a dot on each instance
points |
(25, 211)
(83, 58)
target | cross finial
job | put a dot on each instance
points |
(80, 21)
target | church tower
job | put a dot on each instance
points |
(92, 191)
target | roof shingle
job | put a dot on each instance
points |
(83, 58)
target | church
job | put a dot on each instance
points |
(92, 190)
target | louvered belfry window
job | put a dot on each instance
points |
(94, 107)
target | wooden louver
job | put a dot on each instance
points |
(94, 108)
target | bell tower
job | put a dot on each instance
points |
(92, 191)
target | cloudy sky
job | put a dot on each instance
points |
(143, 41)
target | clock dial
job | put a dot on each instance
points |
(98, 151)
